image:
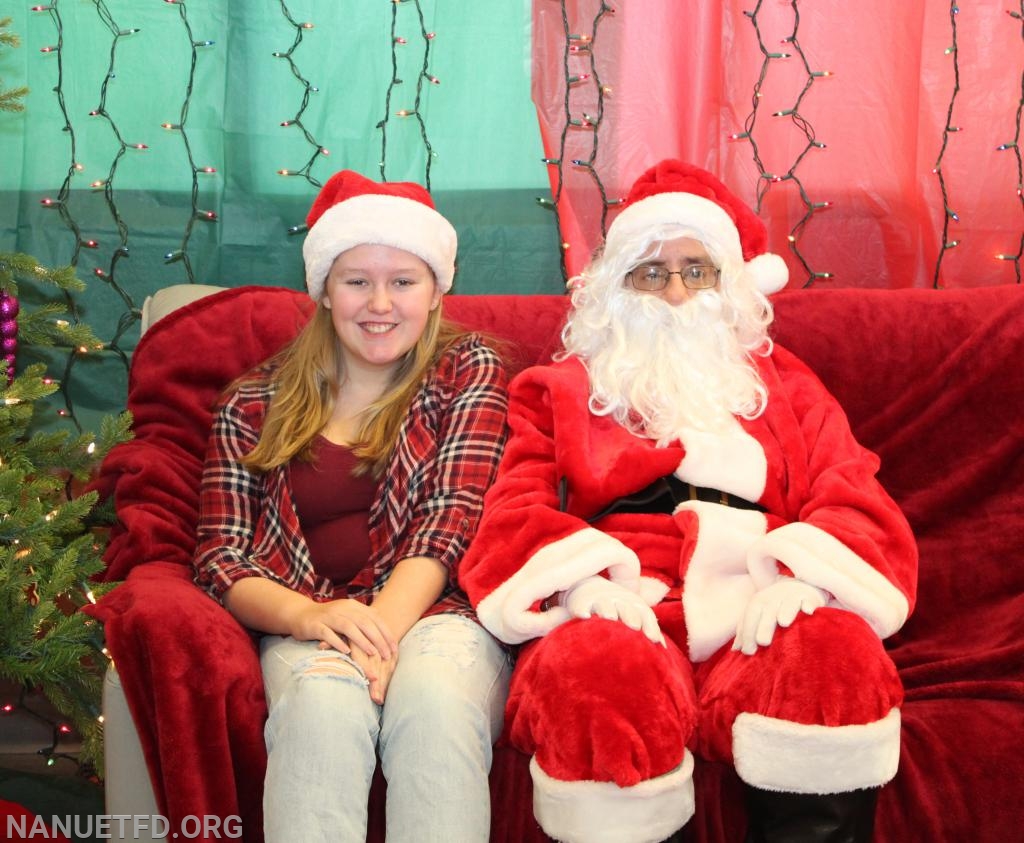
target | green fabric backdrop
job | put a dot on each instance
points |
(485, 172)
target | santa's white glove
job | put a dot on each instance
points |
(606, 599)
(772, 607)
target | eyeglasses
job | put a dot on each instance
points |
(651, 278)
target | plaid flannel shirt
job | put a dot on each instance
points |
(427, 504)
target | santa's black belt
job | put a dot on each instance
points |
(662, 496)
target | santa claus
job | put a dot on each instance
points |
(692, 548)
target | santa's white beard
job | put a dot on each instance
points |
(658, 368)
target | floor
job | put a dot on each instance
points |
(38, 766)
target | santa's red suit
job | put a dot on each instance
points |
(610, 716)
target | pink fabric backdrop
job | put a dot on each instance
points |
(682, 75)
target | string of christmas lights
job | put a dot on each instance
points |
(1015, 146)
(62, 205)
(577, 45)
(107, 185)
(423, 76)
(197, 214)
(59, 729)
(948, 130)
(791, 49)
(307, 90)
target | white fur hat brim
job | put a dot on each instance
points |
(703, 216)
(709, 222)
(381, 220)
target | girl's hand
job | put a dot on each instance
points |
(378, 672)
(340, 622)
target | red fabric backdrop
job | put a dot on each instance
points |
(682, 75)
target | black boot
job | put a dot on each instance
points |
(810, 817)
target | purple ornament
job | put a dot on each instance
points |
(9, 331)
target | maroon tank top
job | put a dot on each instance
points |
(334, 510)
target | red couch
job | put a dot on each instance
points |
(932, 380)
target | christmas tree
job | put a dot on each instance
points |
(10, 98)
(51, 532)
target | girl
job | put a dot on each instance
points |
(344, 479)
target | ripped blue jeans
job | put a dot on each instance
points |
(433, 735)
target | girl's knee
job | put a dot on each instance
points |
(324, 687)
(447, 658)
(450, 673)
(452, 640)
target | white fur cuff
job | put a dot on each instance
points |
(507, 612)
(793, 757)
(819, 558)
(603, 812)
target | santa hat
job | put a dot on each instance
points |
(673, 192)
(352, 210)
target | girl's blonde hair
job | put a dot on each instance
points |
(305, 376)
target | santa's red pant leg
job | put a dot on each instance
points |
(817, 711)
(606, 715)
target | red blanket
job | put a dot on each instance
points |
(931, 380)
